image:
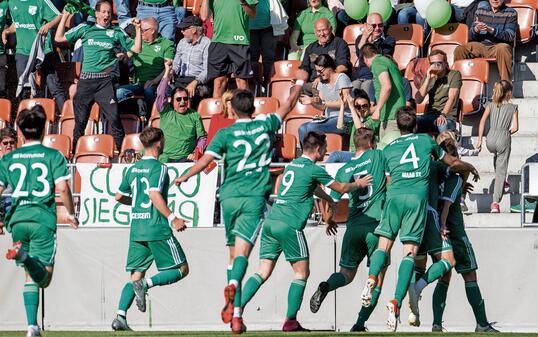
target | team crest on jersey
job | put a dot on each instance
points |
(32, 10)
(110, 33)
(157, 49)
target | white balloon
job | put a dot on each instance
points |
(421, 6)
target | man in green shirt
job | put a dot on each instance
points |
(229, 51)
(408, 161)
(34, 172)
(33, 18)
(365, 207)
(145, 188)
(389, 88)
(246, 147)
(148, 65)
(5, 22)
(182, 126)
(99, 41)
(283, 229)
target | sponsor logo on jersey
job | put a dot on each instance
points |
(249, 132)
(32, 10)
(140, 215)
(92, 42)
(137, 170)
(25, 25)
(109, 33)
(239, 38)
(28, 155)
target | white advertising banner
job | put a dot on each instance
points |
(193, 201)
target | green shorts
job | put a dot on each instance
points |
(432, 243)
(243, 217)
(167, 254)
(404, 213)
(463, 249)
(278, 237)
(359, 241)
(37, 240)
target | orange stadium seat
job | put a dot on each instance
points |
(474, 76)
(526, 18)
(448, 38)
(334, 143)
(92, 149)
(410, 76)
(351, 33)
(131, 142)
(67, 120)
(282, 74)
(207, 108)
(265, 105)
(61, 143)
(5, 112)
(304, 110)
(285, 147)
(409, 43)
(131, 124)
(47, 103)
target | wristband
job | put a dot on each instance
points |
(299, 82)
(171, 218)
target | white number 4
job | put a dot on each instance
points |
(410, 156)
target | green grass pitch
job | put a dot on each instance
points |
(256, 334)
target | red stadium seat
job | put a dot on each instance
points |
(304, 110)
(5, 112)
(285, 147)
(409, 43)
(48, 104)
(292, 124)
(334, 142)
(67, 120)
(448, 38)
(474, 75)
(207, 108)
(282, 74)
(526, 18)
(265, 105)
(61, 143)
(410, 76)
(351, 33)
(92, 149)
(131, 124)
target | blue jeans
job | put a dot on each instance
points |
(339, 157)
(127, 91)
(458, 13)
(180, 13)
(426, 123)
(327, 126)
(166, 17)
(410, 15)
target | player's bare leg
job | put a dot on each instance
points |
(377, 263)
(301, 270)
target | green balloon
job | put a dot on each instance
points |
(356, 9)
(382, 7)
(438, 13)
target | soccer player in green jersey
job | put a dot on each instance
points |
(34, 172)
(453, 227)
(283, 228)
(364, 214)
(145, 187)
(408, 161)
(246, 147)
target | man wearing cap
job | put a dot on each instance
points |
(148, 64)
(190, 62)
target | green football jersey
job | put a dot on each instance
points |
(407, 162)
(231, 22)
(100, 45)
(365, 204)
(451, 191)
(32, 171)
(438, 172)
(246, 147)
(296, 192)
(29, 16)
(146, 175)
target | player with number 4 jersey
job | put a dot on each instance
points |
(145, 188)
(246, 149)
(283, 228)
(408, 161)
(34, 172)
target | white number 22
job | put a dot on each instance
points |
(242, 165)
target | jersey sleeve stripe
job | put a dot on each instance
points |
(456, 189)
(124, 193)
(164, 171)
(67, 177)
(211, 153)
(330, 183)
(52, 7)
(442, 154)
(278, 117)
(157, 189)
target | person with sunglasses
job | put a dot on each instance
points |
(8, 143)
(182, 126)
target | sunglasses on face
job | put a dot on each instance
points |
(377, 25)
(8, 142)
(437, 63)
(362, 106)
(179, 99)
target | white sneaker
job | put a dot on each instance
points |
(487, 328)
(33, 331)
(414, 297)
(366, 296)
(437, 328)
(413, 320)
(394, 315)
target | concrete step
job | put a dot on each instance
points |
(484, 164)
(480, 200)
(525, 76)
(528, 125)
(528, 107)
(525, 145)
(500, 220)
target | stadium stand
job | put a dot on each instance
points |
(66, 124)
(59, 142)
(448, 37)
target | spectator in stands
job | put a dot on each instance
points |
(8, 143)
(182, 126)
(3, 57)
(190, 62)
(374, 34)
(229, 50)
(360, 113)
(163, 11)
(332, 87)
(504, 122)
(305, 32)
(148, 65)
(328, 44)
(459, 9)
(224, 119)
(35, 18)
(389, 88)
(410, 15)
(442, 87)
(492, 34)
(262, 39)
(95, 83)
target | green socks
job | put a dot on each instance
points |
(377, 262)
(165, 277)
(31, 302)
(477, 302)
(435, 272)
(251, 288)
(295, 298)
(37, 271)
(439, 302)
(238, 272)
(336, 281)
(365, 313)
(126, 299)
(405, 273)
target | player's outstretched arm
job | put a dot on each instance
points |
(124, 199)
(160, 204)
(348, 187)
(59, 37)
(460, 166)
(296, 90)
(67, 199)
(198, 167)
(330, 225)
(444, 216)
